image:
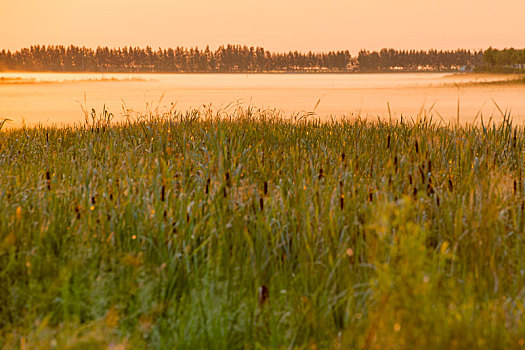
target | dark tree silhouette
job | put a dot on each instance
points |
(507, 60)
(237, 59)
(226, 59)
(432, 60)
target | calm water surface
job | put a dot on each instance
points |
(55, 98)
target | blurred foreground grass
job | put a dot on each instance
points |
(248, 230)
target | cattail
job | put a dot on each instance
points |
(224, 193)
(320, 173)
(111, 196)
(422, 173)
(388, 142)
(48, 180)
(450, 185)
(261, 203)
(431, 242)
(264, 295)
(395, 164)
(515, 187)
(437, 200)
(93, 201)
(343, 157)
(342, 201)
(228, 182)
(430, 189)
(265, 186)
(370, 196)
(429, 166)
(410, 179)
(414, 193)
(417, 147)
(77, 211)
(208, 186)
(163, 193)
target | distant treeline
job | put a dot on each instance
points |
(226, 59)
(244, 59)
(507, 60)
(432, 60)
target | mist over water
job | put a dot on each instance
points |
(55, 98)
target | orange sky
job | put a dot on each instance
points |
(277, 25)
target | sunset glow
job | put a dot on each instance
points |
(304, 25)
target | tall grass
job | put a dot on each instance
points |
(201, 229)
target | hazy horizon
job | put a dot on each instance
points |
(307, 25)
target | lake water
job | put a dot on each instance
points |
(53, 98)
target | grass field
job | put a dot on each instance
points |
(248, 230)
